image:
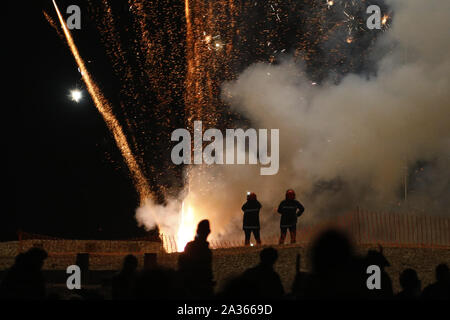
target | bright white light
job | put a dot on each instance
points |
(218, 45)
(186, 229)
(76, 95)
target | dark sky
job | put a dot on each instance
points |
(65, 176)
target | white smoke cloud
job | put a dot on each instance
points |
(360, 133)
(166, 217)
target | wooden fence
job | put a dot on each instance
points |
(364, 228)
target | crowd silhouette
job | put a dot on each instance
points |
(337, 272)
(24, 279)
(261, 281)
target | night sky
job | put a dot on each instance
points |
(65, 175)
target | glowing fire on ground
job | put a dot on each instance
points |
(187, 226)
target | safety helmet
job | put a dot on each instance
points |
(290, 194)
(251, 196)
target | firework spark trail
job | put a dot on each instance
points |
(203, 54)
(53, 24)
(144, 56)
(121, 67)
(217, 43)
(105, 110)
(189, 36)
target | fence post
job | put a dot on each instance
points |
(370, 226)
(416, 230)
(379, 228)
(447, 233)
(425, 231)
(390, 228)
(397, 229)
(408, 228)
(82, 261)
(359, 225)
(420, 233)
(365, 226)
(430, 232)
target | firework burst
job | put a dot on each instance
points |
(172, 59)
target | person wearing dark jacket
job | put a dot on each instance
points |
(25, 279)
(441, 288)
(411, 285)
(266, 281)
(251, 218)
(290, 209)
(195, 264)
(123, 283)
(259, 282)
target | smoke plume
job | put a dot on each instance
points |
(348, 144)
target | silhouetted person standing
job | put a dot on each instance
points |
(290, 209)
(258, 282)
(195, 264)
(123, 283)
(377, 258)
(335, 269)
(251, 218)
(441, 288)
(25, 279)
(410, 283)
(266, 280)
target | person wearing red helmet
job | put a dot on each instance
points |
(290, 209)
(251, 218)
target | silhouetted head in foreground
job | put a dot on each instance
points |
(331, 251)
(336, 270)
(268, 257)
(409, 279)
(34, 258)
(410, 283)
(261, 281)
(441, 288)
(442, 273)
(24, 280)
(377, 258)
(203, 230)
